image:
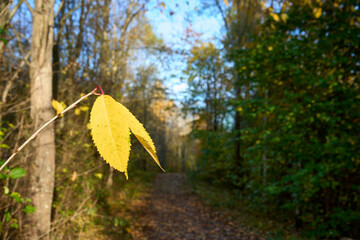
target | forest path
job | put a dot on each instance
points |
(172, 211)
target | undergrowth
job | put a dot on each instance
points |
(117, 205)
(231, 203)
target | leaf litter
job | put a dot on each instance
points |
(173, 211)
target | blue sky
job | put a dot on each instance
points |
(171, 28)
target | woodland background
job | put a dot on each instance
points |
(269, 121)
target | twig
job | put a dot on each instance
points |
(46, 124)
(29, 7)
(4, 10)
(58, 11)
(78, 211)
(13, 78)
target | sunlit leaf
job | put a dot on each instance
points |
(84, 108)
(110, 124)
(98, 175)
(16, 196)
(162, 4)
(141, 134)
(284, 17)
(17, 173)
(14, 225)
(59, 107)
(77, 111)
(317, 12)
(29, 209)
(110, 132)
(7, 216)
(6, 190)
(274, 16)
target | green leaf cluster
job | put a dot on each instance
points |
(13, 200)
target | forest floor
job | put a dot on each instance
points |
(173, 211)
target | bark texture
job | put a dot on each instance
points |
(42, 164)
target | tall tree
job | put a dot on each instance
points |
(240, 21)
(208, 86)
(42, 166)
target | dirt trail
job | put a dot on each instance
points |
(173, 212)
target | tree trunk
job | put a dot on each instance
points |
(42, 165)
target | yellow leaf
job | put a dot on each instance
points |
(59, 107)
(163, 5)
(317, 12)
(226, 2)
(84, 108)
(140, 133)
(284, 17)
(77, 111)
(98, 175)
(110, 132)
(240, 109)
(262, 4)
(110, 124)
(274, 16)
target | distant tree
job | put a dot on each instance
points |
(208, 86)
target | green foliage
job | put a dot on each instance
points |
(298, 102)
(302, 118)
(17, 173)
(12, 201)
(215, 158)
(208, 87)
(2, 33)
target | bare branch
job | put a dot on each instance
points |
(45, 125)
(32, 11)
(13, 11)
(3, 12)
(58, 11)
(62, 21)
(13, 78)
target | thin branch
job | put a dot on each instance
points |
(62, 21)
(13, 11)
(32, 11)
(45, 125)
(3, 11)
(58, 11)
(223, 15)
(77, 212)
(13, 78)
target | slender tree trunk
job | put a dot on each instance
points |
(237, 142)
(104, 50)
(42, 165)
